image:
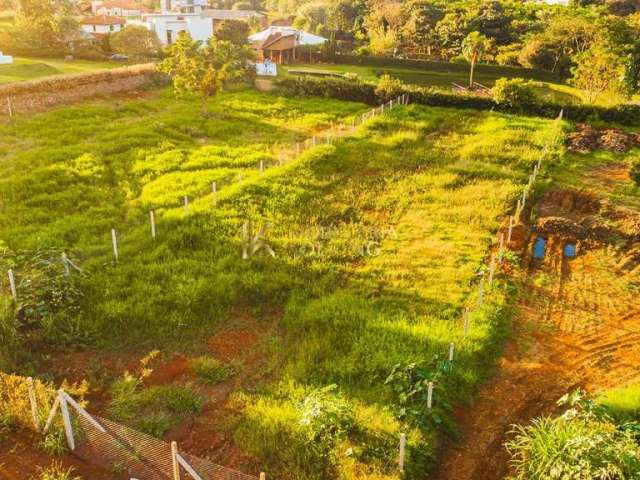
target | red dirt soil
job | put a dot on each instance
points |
(578, 326)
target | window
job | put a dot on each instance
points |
(169, 37)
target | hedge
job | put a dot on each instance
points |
(359, 91)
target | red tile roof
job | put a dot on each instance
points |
(103, 20)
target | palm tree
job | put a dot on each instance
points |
(474, 47)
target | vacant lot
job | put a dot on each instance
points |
(32, 68)
(308, 364)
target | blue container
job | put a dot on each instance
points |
(570, 250)
(539, 248)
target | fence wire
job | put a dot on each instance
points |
(126, 451)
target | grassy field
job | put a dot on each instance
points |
(443, 79)
(378, 240)
(33, 68)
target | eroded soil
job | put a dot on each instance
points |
(578, 326)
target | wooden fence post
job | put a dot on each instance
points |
(152, 219)
(186, 204)
(510, 231)
(214, 191)
(492, 269)
(451, 350)
(174, 461)
(430, 395)
(12, 285)
(65, 264)
(501, 249)
(467, 315)
(263, 476)
(34, 404)
(9, 107)
(403, 443)
(261, 166)
(66, 420)
(114, 241)
(480, 292)
(245, 231)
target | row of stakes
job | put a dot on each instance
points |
(502, 242)
(521, 203)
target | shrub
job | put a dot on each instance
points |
(389, 87)
(634, 171)
(514, 93)
(54, 443)
(57, 472)
(210, 370)
(581, 444)
(337, 88)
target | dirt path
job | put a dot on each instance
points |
(578, 326)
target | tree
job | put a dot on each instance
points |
(514, 93)
(474, 47)
(207, 69)
(420, 28)
(599, 70)
(135, 41)
(234, 31)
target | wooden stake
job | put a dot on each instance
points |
(52, 414)
(297, 149)
(174, 461)
(510, 231)
(34, 404)
(12, 285)
(9, 107)
(214, 191)
(263, 476)
(261, 166)
(65, 264)
(492, 269)
(403, 443)
(501, 248)
(245, 231)
(114, 242)
(152, 220)
(186, 204)
(451, 350)
(66, 420)
(467, 315)
(480, 292)
(430, 395)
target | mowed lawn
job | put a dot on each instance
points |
(378, 238)
(32, 68)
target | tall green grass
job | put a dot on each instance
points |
(378, 240)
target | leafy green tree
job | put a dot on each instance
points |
(451, 32)
(207, 69)
(234, 31)
(474, 47)
(420, 28)
(135, 41)
(599, 70)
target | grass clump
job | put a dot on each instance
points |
(584, 443)
(57, 472)
(210, 370)
(623, 403)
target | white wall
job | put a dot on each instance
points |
(101, 28)
(199, 28)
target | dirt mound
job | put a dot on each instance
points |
(587, 139)
(569, 203)
(560, 226)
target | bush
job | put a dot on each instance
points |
(634, 172)
(627, 114)
(210, 370)
(514, 93)
(389, 87)
(582, 444)
(57, 472)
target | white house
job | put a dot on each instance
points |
(168, 26)
(118, 8)
(190, 16)
(5, 59)
(102, 25)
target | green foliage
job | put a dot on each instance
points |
(210, 370)
(623, 404)
(233, 31)
(389, 88)
(598, 71)
(54, 443)
(634, 171)
(514, 93)
(582, 444)
(57, 472)
(206, 69)
(135, 41)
